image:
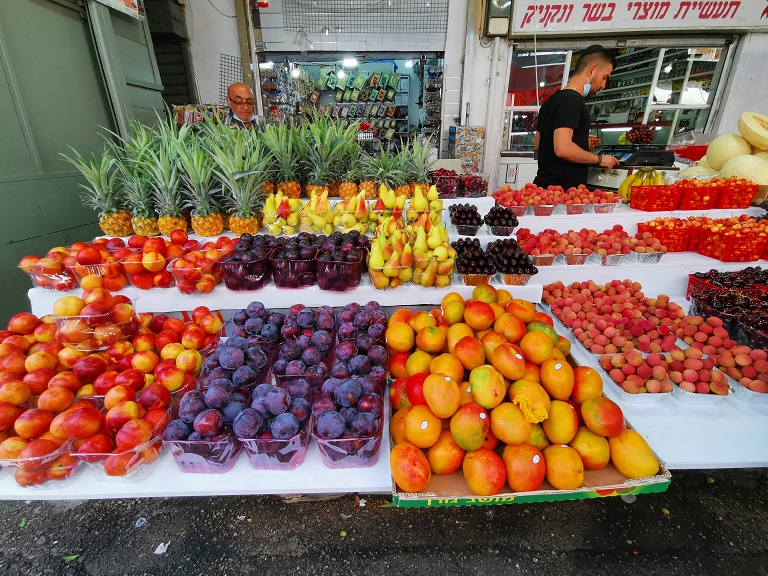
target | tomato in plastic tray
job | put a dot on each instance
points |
(674, 239)
(698, 197)
(732, 248)
(736, 196)
(655, 198)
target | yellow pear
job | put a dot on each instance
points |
(392, 266)
(421, 241)
(435, 238)
(376, 259)
(432, 194)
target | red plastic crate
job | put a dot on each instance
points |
(698, 197)
(673, 239)
(655, 198)
(736, 196)
(727, 248)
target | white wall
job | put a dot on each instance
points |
(747, 84)
(453, 67)
(278, 40)
(210, 34)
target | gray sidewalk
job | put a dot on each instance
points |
(708, 523)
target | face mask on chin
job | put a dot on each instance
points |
(587, 88)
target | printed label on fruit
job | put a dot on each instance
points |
(482, 416)
(558, 366)
(536, 459)
(447, 378)
(518, 356)
(424, 424)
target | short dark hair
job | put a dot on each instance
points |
(595, 54)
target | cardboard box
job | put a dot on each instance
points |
(452, 490)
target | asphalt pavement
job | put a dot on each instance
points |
(707, 523)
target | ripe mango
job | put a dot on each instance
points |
(632, 456)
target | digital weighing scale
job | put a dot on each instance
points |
(631, 157)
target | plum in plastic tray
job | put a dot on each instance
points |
(274, 454)
(294, 273)
(247, 274)
(466, 229)
(501, 230)
(205, 456)
(339, 276)
(350, 452)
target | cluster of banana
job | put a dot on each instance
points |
(643, 177)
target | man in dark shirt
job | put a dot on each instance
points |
(562, 136)
(241, 107)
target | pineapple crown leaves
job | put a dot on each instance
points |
(161, 165)
(283, 144)
(419, 153)
(197, 175)
(389, 169)
(99, 171)
(326, 152)
(240, 164)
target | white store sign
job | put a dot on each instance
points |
(549, 17)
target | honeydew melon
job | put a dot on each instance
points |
(725, 147)
(754, 129)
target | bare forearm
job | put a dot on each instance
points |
(572, 152)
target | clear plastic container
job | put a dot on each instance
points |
(339, 276)
(646, 257)
(644, 398)
(378, 276)
(543, 210)
(247, 274)
(576, 259)
(350, 452)
(190, 279)
(205, 456)
(572, 209)
(149, 273)
(501, 230)
(604, 208)
(476, 279)
(443, 268)
(94, 333)
(51, 470)
(517, 210)
(696, 398)
(608, 259)
(104, 270)
(294, 273)
(516, 279)
(51, 276)
(466, 229)
(544, 259)
(746, 395)
(273, 454)
(133, 465)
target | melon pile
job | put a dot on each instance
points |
(743, 155)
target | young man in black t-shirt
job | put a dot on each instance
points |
(562, 136)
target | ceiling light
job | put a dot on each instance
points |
(409, 63)
(349, 62)
(341, 73)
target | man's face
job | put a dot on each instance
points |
(600, 77)
(241, 101)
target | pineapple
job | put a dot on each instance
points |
(326, 152)
(404, 160)
(348, 186)
(101, 192)
(389, 171)
(420, 163)
(284, 143)
(367, 173)
(241, 166)
(198, 178)
(135, 182)
(166, 188)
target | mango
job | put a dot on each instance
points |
(603, 416)
(562, 424)
(525, 467)
(538, 437)
(631, 455)
(593, 449)
(532, 399)
(410, 468)
(445, 456)
(509, 425)
(484, 472)
(564, 468)
(469, 426)
(557, 378)
(442, 395)
(509, 361)
(488, 388)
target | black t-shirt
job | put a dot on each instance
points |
(564, 109)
